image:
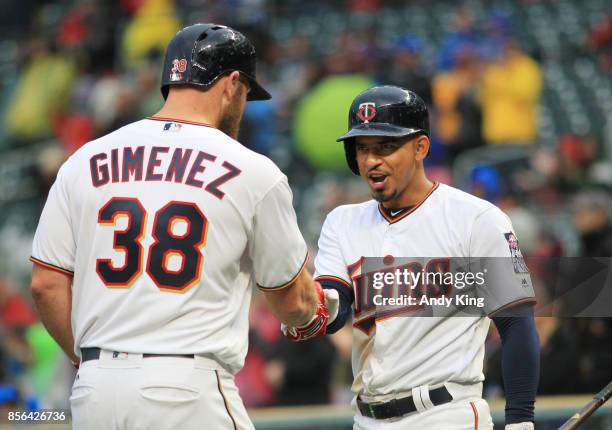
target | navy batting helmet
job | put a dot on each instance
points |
(201, 53)
(384, 111)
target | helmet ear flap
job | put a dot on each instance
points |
(351, 155)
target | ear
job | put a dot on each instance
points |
(232, 83)
(421, 147)
(227, 85)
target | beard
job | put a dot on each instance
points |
(384, 195)
(230, 119)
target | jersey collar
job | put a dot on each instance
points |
(164, 119)
(403, 213)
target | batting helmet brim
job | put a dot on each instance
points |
(257, 92)
(378, 129)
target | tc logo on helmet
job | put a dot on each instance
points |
(366, 112)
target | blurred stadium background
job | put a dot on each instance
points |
(520, 93)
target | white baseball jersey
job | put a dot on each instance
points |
(165, 226)
(393, 354)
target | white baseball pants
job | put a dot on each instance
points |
(156, 393)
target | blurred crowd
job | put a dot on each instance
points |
(84, 68)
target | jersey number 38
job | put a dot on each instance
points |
(166, 243)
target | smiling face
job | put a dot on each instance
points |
(389, 165)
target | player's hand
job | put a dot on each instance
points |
(327, 311)
(528, 425)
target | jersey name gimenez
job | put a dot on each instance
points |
(165, 226)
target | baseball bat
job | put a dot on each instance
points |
(581, 416)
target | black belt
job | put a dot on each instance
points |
(94, 354)
(398, 407)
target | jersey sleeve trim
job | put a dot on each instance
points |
(512, 304)
(51, 267)
(286, 284)
(334, 279)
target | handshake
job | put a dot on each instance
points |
(325, 313)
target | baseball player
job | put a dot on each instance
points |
(151, 240)
(421, 372)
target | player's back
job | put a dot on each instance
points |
(162, 216)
